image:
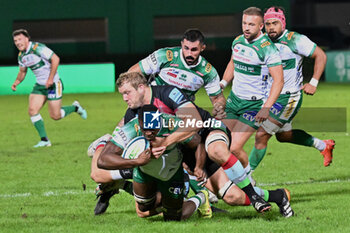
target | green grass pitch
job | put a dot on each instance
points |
(42, 190)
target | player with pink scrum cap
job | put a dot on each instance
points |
(293, 47)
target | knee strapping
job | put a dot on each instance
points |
(216, 137)
(222, 192)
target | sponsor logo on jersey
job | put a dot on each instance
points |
(151, 120)
(199, 73)
(284, 42)
(122, 135)
(169, 55)
(175, 65)
(176, 95)
(153, 59)
(289, 36)
(250, 115)
(208, 68)
(266, 43)
(173, 73)
(183, 77)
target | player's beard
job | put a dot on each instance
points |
(191, 61)
(274, 35)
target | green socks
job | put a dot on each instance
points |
(255, 157)
(300, 137)
(38, 123)
(66, 110)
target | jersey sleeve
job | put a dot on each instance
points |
(212, 86)
(43, 51)
(153, 63)
(121, 137)
(304, 45)
(20, 63)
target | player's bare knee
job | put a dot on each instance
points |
(95, 177)
(260, 139)
(32, 111)
(55, 117)
(216, 150)
(236, 150)
(234, 198)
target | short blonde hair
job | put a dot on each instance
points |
(134, 78)
(254, 11)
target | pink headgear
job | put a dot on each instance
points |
(279, 15)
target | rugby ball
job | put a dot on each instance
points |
(135, 147)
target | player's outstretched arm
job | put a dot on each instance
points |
(320, 63)
(135, 68)
(20, 77)
(228, 74)
(110, 158)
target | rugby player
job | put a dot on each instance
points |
(161, 95)
(254, 57)
(293, 47)
(185, 68)
(48, 87)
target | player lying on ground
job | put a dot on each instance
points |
(218, 180)
(152, 173)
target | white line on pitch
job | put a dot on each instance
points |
(72, 192)
(304, 182)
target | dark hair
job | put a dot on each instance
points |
(19, 32)
(253, 11)
(193, 34)
(276, 9)
(145, 108)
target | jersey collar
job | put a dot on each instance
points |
(261, 35)
(285, 31)
(185, 64)
(29, 46)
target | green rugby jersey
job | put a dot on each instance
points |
(165, 166)
(293, 47)
(251, 61)
(37, 58)
(171, 68)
